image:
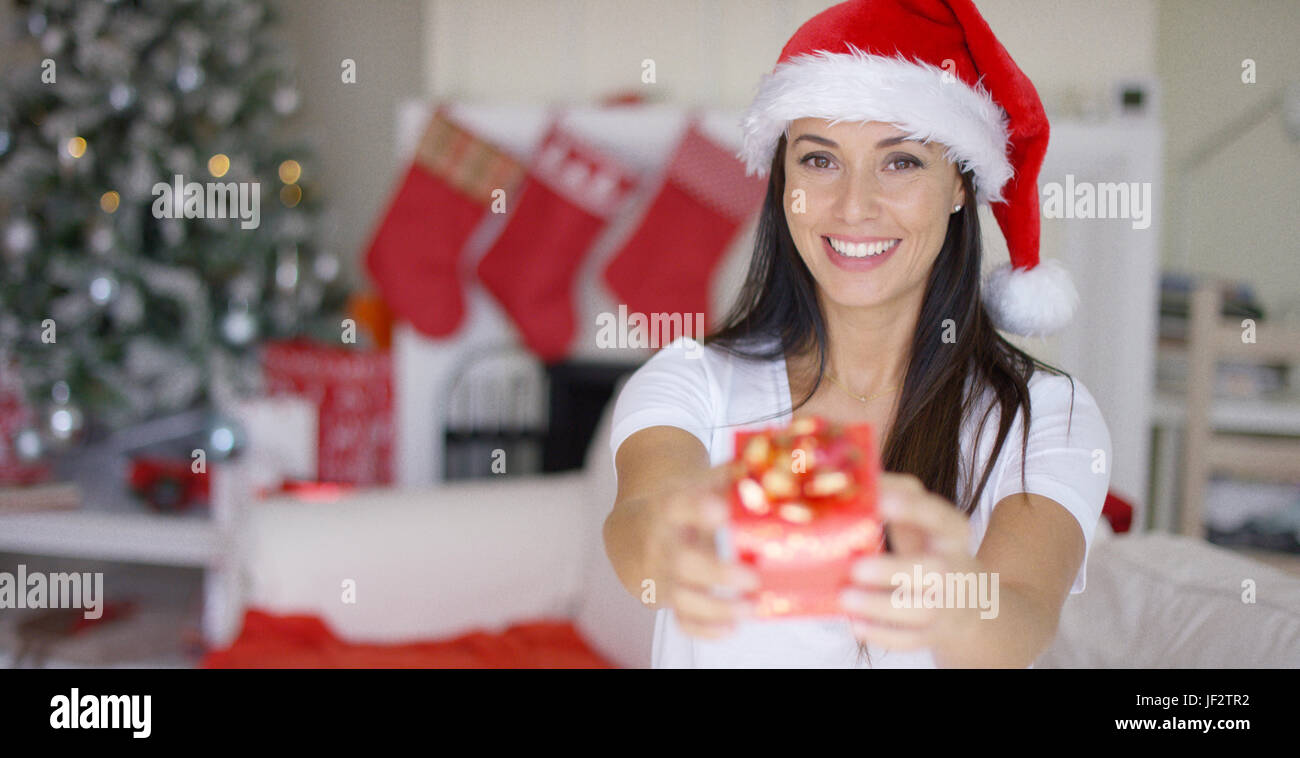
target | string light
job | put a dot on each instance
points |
(77, 147)
(290, 194)
(218, 165)
(109, 201)
(290, 171)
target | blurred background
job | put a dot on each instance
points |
(224, 413)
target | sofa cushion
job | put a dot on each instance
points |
(1166, 601)
(614, 622)
(425, 563)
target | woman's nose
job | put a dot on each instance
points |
(859, 198)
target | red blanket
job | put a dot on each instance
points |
(269, 641)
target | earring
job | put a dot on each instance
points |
(956, 208)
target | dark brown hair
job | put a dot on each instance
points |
(777, 312)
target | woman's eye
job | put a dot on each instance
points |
(903, 163)
(816, 157)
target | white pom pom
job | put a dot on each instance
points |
(1031, 302)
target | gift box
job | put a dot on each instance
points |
(353, 392)
(803, 509)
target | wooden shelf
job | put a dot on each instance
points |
(1235, 415)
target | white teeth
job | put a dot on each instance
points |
(860, 249)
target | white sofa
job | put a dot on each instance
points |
(441, 561)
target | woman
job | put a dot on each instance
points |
(866, 274)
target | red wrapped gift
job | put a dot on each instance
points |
(803, 510)
(353, 389)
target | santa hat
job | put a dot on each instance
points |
(934, 69)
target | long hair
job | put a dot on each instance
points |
(777, 312)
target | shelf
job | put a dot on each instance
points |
(1246, 416)
(110, 523)
(135, 537)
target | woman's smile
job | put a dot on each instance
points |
(859, 253)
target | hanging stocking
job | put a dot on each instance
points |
(667, 264)
(570, 192)
(415, 255)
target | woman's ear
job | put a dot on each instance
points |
(959, 199)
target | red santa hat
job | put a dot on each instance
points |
(934, 69)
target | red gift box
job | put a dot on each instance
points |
(353, 390)
(803, 510)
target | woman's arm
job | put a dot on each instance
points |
(650, 463)
(1036, 543)
(661, 529)
(1030, 554)
(1035, 547)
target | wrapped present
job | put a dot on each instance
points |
(353, 392)
(803, 510)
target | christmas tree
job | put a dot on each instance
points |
(155, 225)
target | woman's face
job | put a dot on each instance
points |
(868, 208)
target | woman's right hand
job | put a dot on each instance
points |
(707, 594)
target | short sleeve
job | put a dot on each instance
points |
(670, 389)
(1068, 458)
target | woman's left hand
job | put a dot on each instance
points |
(926, 530)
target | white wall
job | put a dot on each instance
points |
(713, 51)
(1240, 210)
(352, 124)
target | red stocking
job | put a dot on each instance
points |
(569, 194)
(415, 255)
(667, 265)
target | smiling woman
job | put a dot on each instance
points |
(866, 271)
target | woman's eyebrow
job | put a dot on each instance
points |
(815, 138)
(887, 142)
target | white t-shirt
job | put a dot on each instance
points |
(711, 394)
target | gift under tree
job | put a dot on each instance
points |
(353, 394)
